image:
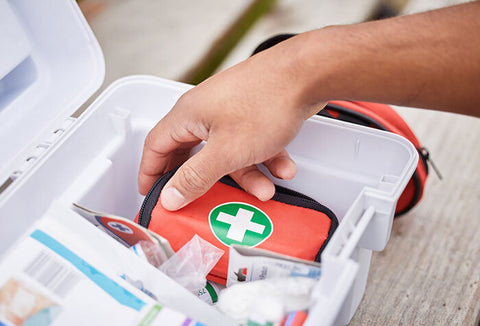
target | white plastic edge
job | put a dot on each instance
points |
(20, 162)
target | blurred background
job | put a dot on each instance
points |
(190, 40)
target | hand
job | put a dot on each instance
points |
(246, 114)
(250, 112)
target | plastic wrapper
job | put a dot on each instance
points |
(151, 252)
(190, 265)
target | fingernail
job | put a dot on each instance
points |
(172, 199)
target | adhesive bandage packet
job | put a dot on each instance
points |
(251, 264)
(126, 231)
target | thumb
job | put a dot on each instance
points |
(193, 179)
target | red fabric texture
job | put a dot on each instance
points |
(297, 231)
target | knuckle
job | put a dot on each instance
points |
(193, 180)
(149, 139)
(184, 99)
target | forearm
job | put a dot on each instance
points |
(429, 60)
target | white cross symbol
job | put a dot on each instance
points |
(240, 223)
(120, 227)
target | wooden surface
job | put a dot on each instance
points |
(429, 274)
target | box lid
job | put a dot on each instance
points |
(50, 64)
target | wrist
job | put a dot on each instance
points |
(315, 61)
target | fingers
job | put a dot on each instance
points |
(163, 151)
(194, 178)
(254, 182)
(281, 166)
(152, 166)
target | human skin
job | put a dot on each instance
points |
(248, 114)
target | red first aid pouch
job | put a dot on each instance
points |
(384, 117)
(290, 223)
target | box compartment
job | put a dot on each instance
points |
(358, 172)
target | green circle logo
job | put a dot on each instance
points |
(240, 223)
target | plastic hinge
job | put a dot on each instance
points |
(42, 148)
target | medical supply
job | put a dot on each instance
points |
(209, 293)
(295, 318)
(150, 252)
(227, 215)
(240, 300)
(266, 311)
(128, 233)
(252, 264)
(190, 265)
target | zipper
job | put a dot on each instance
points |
(146, 209)
(291, 197)
(352, 116)
(348, 114)
(368, 121)
(294, 198)
(282, 194)
(425, 154)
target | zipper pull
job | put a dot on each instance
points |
(428, 159)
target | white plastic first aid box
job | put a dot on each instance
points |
(51, 63)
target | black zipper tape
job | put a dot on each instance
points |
(352, 116)
(152, 197)
(294, 198)
(416, 195)
(282, 194)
